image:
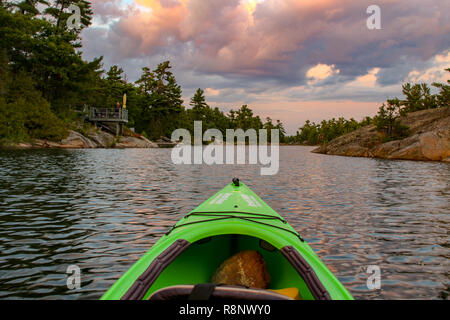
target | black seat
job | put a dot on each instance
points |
(215, 292)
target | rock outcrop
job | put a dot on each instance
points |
(133, 142)
(93, 138)
(101, 139)
(75, 140)
(429, 139)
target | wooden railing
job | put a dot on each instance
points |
(104, 114)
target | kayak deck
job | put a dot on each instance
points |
(233, 220)
(186, 269)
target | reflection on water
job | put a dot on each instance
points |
(102, 209)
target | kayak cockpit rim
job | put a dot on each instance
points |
(140, 289)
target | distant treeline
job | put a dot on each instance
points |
(325, 131)
(44, 82)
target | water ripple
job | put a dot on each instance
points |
(103, 209)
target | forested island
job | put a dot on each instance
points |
(46, 87)
(45, 83)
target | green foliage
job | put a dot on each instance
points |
(198, 102)
(29, 7)
(201, 111)
(161, 102)
(417, 97)
(48, 52)
(114, 87)
(25, 115)
(443, 98)
(268, 125)
(327, 130)
(387, 121)
(60, 12)
(244, 119)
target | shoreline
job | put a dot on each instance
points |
(92, 139)
(143, 143)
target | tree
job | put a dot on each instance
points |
(162, 101)
(443, 98)
(60, 13)
(388, 121)
(268, 125)
(30, 6)
(198, 100)
(199, 109)
(24, 114)
(49, 56)
(115, 86)
(327, 130)
(418, 97)
(243, 119)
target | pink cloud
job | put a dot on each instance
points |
(271, 37)
(261, 52)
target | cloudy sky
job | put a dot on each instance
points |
(288, 59)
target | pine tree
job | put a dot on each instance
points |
(29, 7)
(282, 131)
(115, 86)
(162, 102)
(198, 100)
(388, 120)
(443, 98)
(61, 13)
(418, 97)
(200, 109)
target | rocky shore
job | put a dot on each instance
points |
(93, 138)
(429, 139)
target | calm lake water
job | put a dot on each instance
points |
(102, 209)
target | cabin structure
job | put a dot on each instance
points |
(111, 119)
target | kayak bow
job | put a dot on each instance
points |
(233, 220)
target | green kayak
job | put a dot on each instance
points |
(233, 220)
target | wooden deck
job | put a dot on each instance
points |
(108, 115)
(110, 119)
